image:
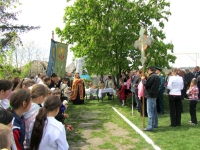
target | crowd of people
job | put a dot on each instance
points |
(177, 84)
(34, 110)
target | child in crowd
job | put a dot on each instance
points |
(20, 102)
(38, 94)
(48, 133)
(193, 92)
(49, 92)
(122, 91)
(6, 117)
(63, 109)
(5, 137)
(61, 114)
(15, 82)
(65, 89)
(25, 84)
(5, 91)
(92, 92)
(47, 81)
(42, 79)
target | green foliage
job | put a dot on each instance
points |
(87, 83)
(7, 70)
(106, 30)
(9, 30)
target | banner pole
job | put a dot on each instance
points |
(52, 35)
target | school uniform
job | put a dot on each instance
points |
(60, 116)
(29, 119)
(4, 103)
(54, 136)
(18, 131)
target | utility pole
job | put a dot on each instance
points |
(188, 54)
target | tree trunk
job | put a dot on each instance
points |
(118, 75)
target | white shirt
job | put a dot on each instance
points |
(41, 82)
(54, 136)
(64, 89)
(38, 80)
(175, 85)
(4, 103)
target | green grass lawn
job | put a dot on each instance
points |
(185, 137)
(166, 137)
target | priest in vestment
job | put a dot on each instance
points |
(78, 90)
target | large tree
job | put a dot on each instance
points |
(9, 30)
(105, 31)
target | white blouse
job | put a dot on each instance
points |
(175, 85)
(54, 136)
(4, 103)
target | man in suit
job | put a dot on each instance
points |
(160, 101)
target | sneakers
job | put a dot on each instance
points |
(191, 123)
(122, 102)
(146, 129)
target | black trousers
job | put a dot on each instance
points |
(175, 104)
(140, 107)
(198, 85)
(160, 102)
(193, 104)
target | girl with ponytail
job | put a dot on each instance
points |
(38, 94)
(25, 84)
(48, 133)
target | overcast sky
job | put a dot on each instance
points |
(182, 28)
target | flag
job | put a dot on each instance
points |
(61, 59)
(52, 56)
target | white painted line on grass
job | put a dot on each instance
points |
(138, 130)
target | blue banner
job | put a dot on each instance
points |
(52, 58)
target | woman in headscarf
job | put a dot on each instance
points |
(78, 90)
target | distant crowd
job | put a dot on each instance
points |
(178, 84)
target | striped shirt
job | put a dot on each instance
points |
(193, 93)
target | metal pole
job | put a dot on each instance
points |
(52, 35)
(132, 103)
(143, 121)
(196, 59)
